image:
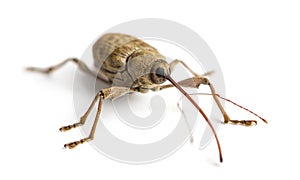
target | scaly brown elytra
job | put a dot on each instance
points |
(131, 65)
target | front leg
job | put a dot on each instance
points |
(195, 83)
(107, 93)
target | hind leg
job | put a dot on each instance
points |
(81, 65)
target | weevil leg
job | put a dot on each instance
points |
(226, 117)
(176, 62)
(111, 93)
(204, 80)
(82, 66)
(197, 81)
(191, 83)
(83, 118)
(91, 136)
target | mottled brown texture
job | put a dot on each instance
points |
(126, 61)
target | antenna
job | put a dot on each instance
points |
(200, 110)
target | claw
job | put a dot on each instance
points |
(247, 123)
(250, 123)
(72, 145)
(67, 128)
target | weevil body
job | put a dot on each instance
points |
(117, 57)
(131, 65)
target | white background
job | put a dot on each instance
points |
(256, 42)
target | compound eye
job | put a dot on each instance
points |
(160, 72)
